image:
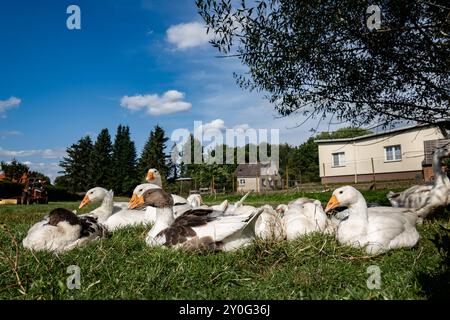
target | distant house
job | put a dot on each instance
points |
(257, 177)
(392, 155)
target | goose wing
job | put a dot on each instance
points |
(389, 230)
(203, 230)
(413, 197)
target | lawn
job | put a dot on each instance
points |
(122, 267)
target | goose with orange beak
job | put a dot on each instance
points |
(137, 201)
(154, 177)
(193, 231)
(376, 229)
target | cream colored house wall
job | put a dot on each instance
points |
(250, 184)
(359, 154)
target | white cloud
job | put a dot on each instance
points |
(43, 153)
(12, 133)
(241, 128)
(9, 104)
(170, 102)
(213, 126)
(188, 35)
(49, 169)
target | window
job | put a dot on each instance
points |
(393, 153)
(241, 182)
(338, 159)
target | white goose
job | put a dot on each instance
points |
(230, 209)
(121, 216)
(191, 231)
(304, 216)
(281, 209)
(377, 231)
(62, 230)
(195, 200)
(426, 199)
(103, 212)
(269, 225)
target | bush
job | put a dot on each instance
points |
(10, 190)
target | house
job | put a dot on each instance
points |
(261, 176)
(397, 154)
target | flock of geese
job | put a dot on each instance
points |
(190, 224)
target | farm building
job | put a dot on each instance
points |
(398, 154)
(257, 177)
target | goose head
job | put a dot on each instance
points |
(441, 153)
(346, 196)
(96, 194)
(153, 176)
(154, 197)
(139, 192)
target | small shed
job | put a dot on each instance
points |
(261, 176)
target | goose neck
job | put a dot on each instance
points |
(164, 219)
(106, 208)
(358, 210)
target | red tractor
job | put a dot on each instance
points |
(34, 192)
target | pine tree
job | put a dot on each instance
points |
(101, 161)
(153, 155)
(124, 162)
(77, 165)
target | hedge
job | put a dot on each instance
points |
(11, 190)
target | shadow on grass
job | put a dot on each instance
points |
(436, 286)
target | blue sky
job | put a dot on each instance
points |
(134, 62)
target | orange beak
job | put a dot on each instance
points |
(84, 202)
(150, 176)
(135, 201)
(333, 203)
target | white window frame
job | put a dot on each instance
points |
(341, 161)
(394, 158)
(242, 182)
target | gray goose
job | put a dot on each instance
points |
(198, 229)
(426, 199)
(62, 230)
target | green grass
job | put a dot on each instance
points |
(123, 267)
